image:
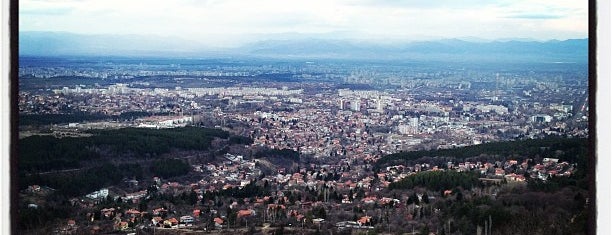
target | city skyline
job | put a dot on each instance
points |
(232, 23)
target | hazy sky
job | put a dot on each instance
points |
(226, 22)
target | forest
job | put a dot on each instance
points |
(77, 183)
(565, 149)
(278, 153)
(558, 205)
(48, 119)
(168, 168)
(438, 180)
(79, 165)
(47, 153)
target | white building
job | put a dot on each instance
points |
(356, 105)
(100, 194)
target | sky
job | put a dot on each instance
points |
(226, 23)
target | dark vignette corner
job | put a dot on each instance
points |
(592, 156)
(14, 116)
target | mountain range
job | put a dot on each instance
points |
(69, 44)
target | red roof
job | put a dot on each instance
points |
(364, 219)
(132, 211)
(173, 220)
(242, 213)
(71, 222)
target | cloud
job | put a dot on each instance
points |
(535, 16)
(420, 4)
(227, 21)
(50, 11)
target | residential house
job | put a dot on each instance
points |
(123, 225)
(171, 223)
(187, 220)
(246, 213)
(196, 213)
(157, 221)
(363, 220)
(218, 222)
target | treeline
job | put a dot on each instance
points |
(248, 191)
(236, 139)
(566, 149)
(518, 212)
(555, 183)
(167, 168)
(438, 180)
(150, 142)
(81, 182)
(48, 119)
(46, 153)
(279, 153)
(527, 209)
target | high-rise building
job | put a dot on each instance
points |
(380, 105)
(356, 105)
(414, 122)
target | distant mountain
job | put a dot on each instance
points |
(575, 50)
(315, 48)
(61, 43)
(466, 49)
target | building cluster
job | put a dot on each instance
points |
(343, 130)
(293, 196)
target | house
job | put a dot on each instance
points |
(346, 200)
(34, 188)
(245, 213)
(394, 201)
(171, 223)
(293, 213)
(275, 207)
(187, 220)
(318, 220)
(100, 194)
(132, 212)
(160, 212)
(157, 221)
(157, 180)
(218, 222)
(71, 223)
(196, 213)
(108, 212)
(134, 196)
(123, 225)
(363, 220)
(347, 224)
(546, 159)
(369, 200)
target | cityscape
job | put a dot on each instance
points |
(308, 152)
(320, 117)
